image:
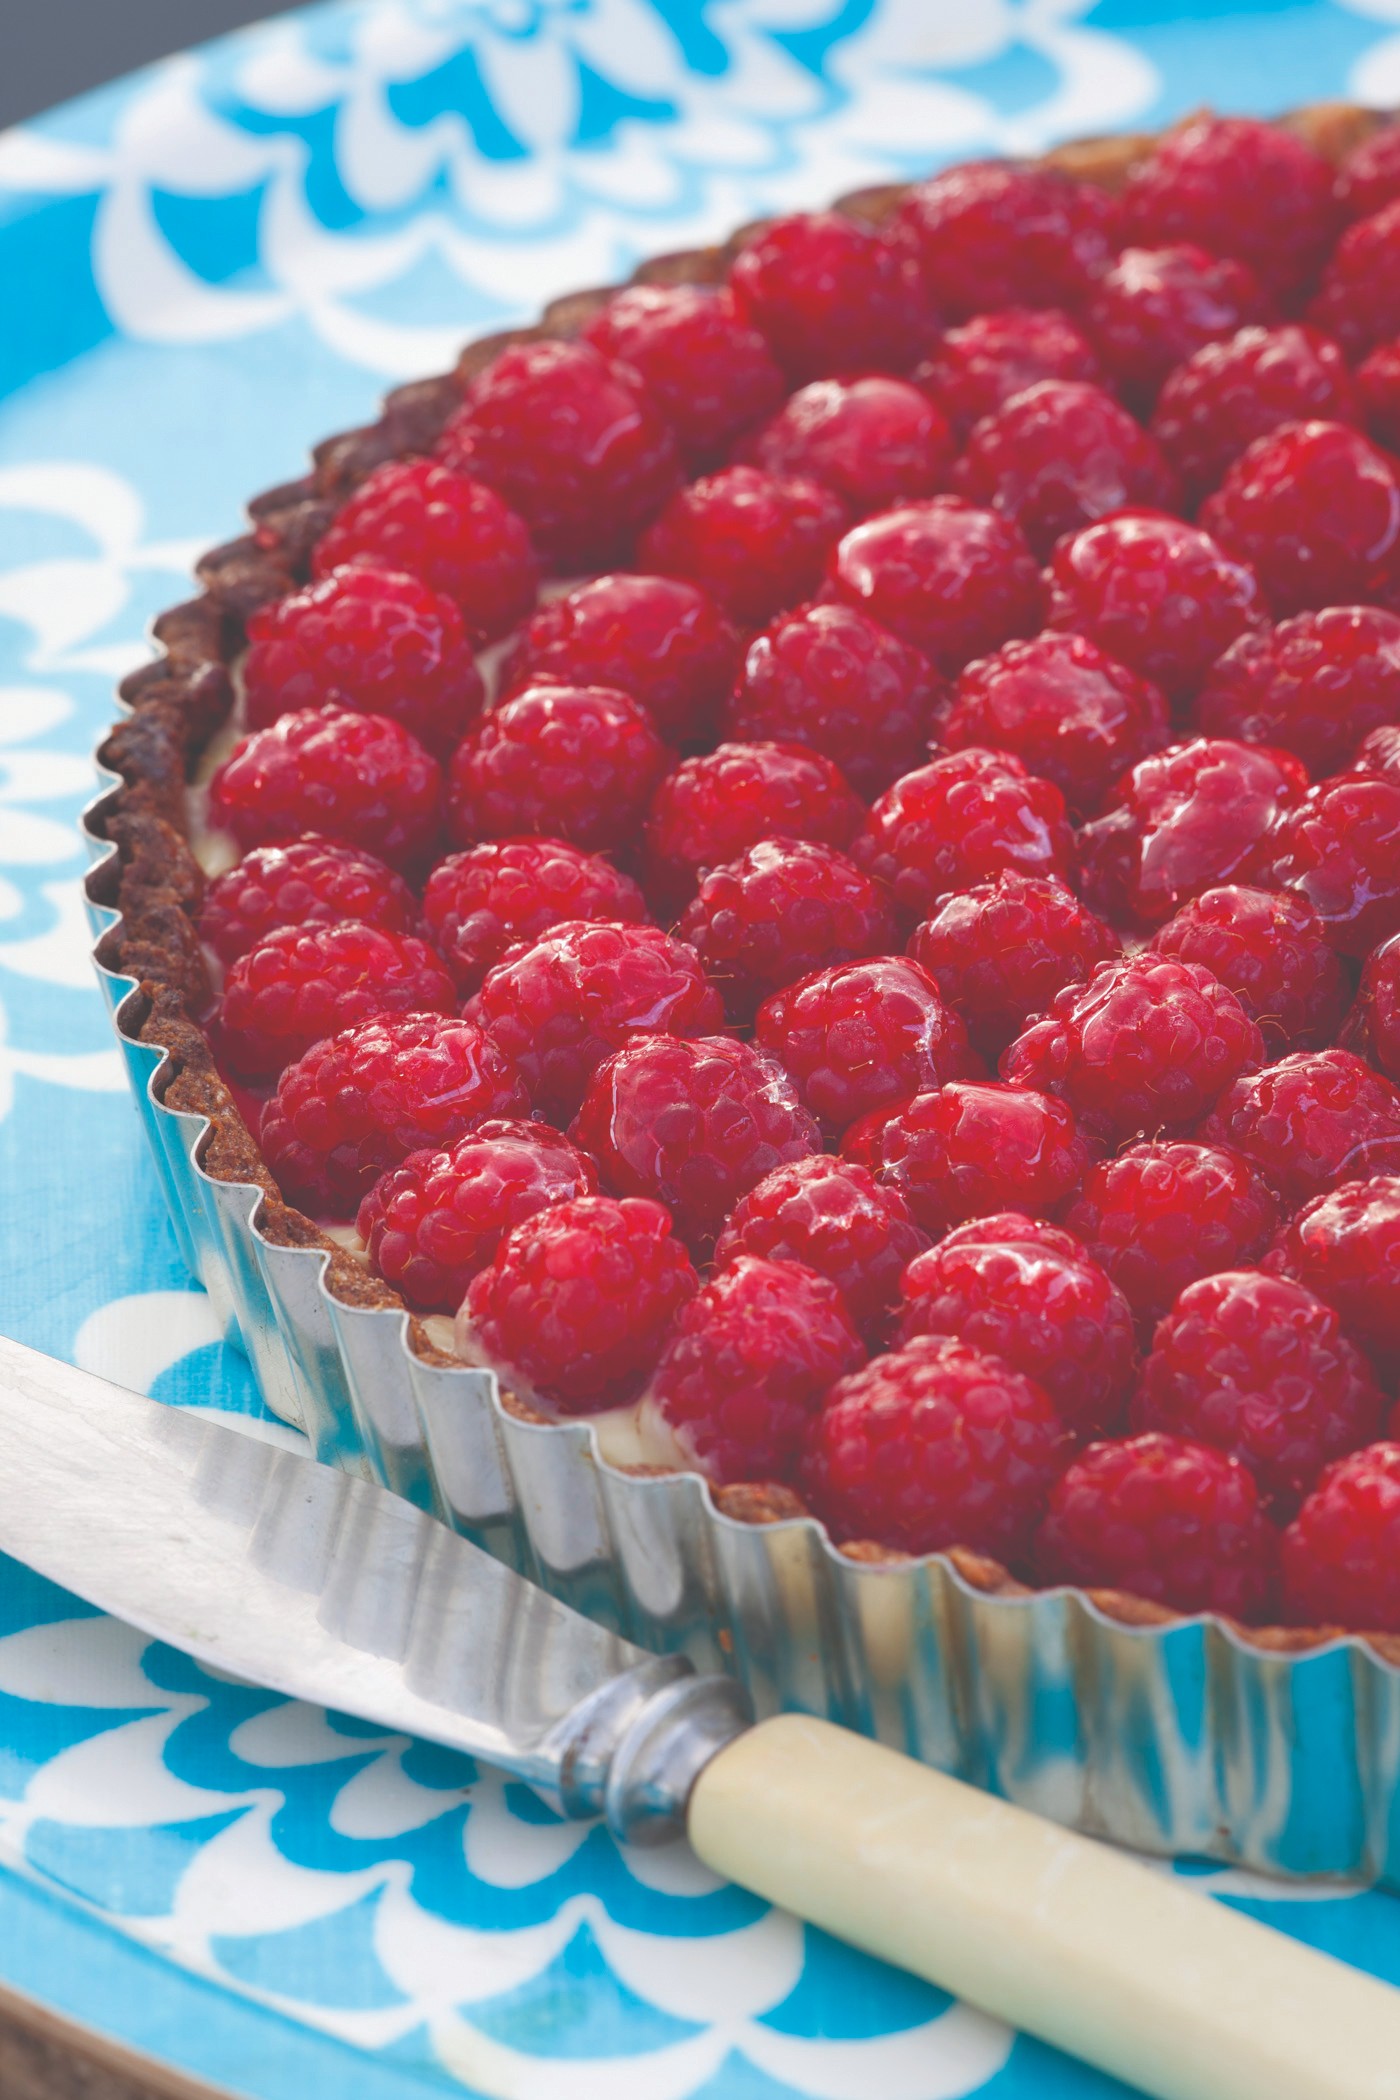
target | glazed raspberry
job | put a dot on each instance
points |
(1340, 1557)
(834, 1216)
(1373, 1025)
(308, 882)
(1158, 594)
(990, 235)
(1067, 710)
(370, 640)
(659, 640)
(1316, 684)
(1238, 187)
(863, 1036)
(305, 982)
(874, 441)
(1378, 395)
(950, 580)
(707, 369)
(749, 1362)
(935, 1445)
(1001, 950)
(1159, 1517)
(575, 1305)
(364, 1099)
(832, 296)
(576, 762)
(1146, 1044)
(361, 779)
(1162, 1214)
(694, 1123)
(970, 1149)
(828, 677)
(1314, 508)
(1031, 1294)
(784, 908)
(478, 904)
(957, 821)
(1271, 949)
(1232, 392)
(451, 532)
(713, 808)
(1369, 177)
(754, 542)
(975, 368)
(432, 1222)
(1379, 753)
(1154, 307)
(583, 990)
(1345, 1246)
(1311, 1121)
(1060, 455)
(570, 442)
(1188, 818)
(1341, 850)
(1358, 300)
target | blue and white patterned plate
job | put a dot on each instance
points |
(203, 268)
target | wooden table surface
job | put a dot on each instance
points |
(43, 2057)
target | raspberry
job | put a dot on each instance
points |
(1232, 392)
(1358, 301)
(950, 580)
(959, 820)
(1341, 850)
(1154, 307)
(480, 903)
(1067, 710)
(974, 369)
(1238, 187)
(1315, 509)
(749, 1362)
(1176, 1522)
(873, 441)
(695, 1124)
(835, 1217)
(713, 808)
(1378, 390)
(1146, 1044)
(1340, 1557)
(1345, 1246)
(829, 677)
(1379, 753)
(1310, 1121)
(784, 908)
(577, 762)
(1373, 1025)
(308, 882)
(576, 1303)
(991, 235)
(656, 639)
(1030, 1293)
(1158, 594)
(1160, 1215)
(832, 296)
(451, 532)
(754, 542)
(707, 369)
(364, 1099)
(1060, 455)
(1001, 950)
(361, 779)
(1369, 177)
(583, 990)
(305, 982)
(1188, 818)
(970, 1149)
(935, 1445)
(570, 442)
(1271, 950)
(1316, 684)
(432, 1222)
(862, 1036)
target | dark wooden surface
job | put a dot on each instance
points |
(42, 2057)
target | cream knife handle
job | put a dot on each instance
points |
(1126, 1968)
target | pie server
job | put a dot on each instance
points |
(267, 1565)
